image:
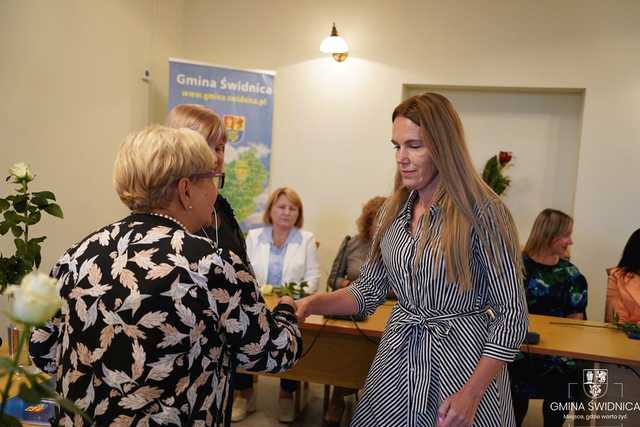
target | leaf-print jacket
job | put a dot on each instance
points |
(154, 320)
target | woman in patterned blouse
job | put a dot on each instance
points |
(554, 287)
(448, 248)
(156, 318)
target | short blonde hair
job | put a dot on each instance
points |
(150, 161)
(199, 118)
(293, 198)
(549, 224)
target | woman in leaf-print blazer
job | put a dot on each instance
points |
(155, 318)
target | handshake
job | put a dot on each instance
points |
(301, 307)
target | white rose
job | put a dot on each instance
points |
(21, 171)
(36, 300)
(266, 289)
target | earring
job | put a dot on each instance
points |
(190, 207)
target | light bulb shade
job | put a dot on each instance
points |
(334, 44)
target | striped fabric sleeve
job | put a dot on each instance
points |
(371, 287)
(506, 297)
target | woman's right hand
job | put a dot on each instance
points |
(304, 308)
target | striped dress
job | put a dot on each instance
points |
(436, 334)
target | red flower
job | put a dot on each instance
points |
(504, 157)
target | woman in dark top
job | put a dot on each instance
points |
(224, 228)
(154, 317)
(554, 287)
(353, 251)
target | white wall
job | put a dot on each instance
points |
(332, 121)
(541, 128)
(70, 79)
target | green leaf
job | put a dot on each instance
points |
(33, 248)
(4, 227)
(45, 195)
(17, 231)
(4, 204)
(22, 251)
(9, 421)
(34, 218)
(7, 364)
(21, 245)
(12, 217)
(13, 269)
(40, 202)
(55, 210)
(29, 394)
(37, 240)
(20, 204)
(44, 389)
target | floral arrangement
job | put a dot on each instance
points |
(292, 289)
(492, 172)
(32, 304)
(36, 299)
(19, 212)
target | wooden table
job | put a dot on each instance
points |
(342, 352)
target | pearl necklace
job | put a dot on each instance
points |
(170, 218)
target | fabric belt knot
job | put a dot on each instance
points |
(406, 321)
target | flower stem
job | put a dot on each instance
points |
(16, 360)
(26, 212)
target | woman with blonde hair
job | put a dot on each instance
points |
(554, 287)
(155, 318)
(280, 252)
(447, 246)
(224, 229)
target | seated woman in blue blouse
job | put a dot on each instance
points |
(554, 287)
(281, 252)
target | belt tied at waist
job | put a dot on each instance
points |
(406, 321)
(440, 326)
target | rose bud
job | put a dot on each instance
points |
(36, 300)
(504, 157)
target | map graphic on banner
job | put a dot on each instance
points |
(244, 101)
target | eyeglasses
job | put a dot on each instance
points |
(217, 177)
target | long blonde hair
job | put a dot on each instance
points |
(467, 202)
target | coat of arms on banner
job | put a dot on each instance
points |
(595, 382)
(234, 126)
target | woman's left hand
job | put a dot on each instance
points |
(459, 410)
